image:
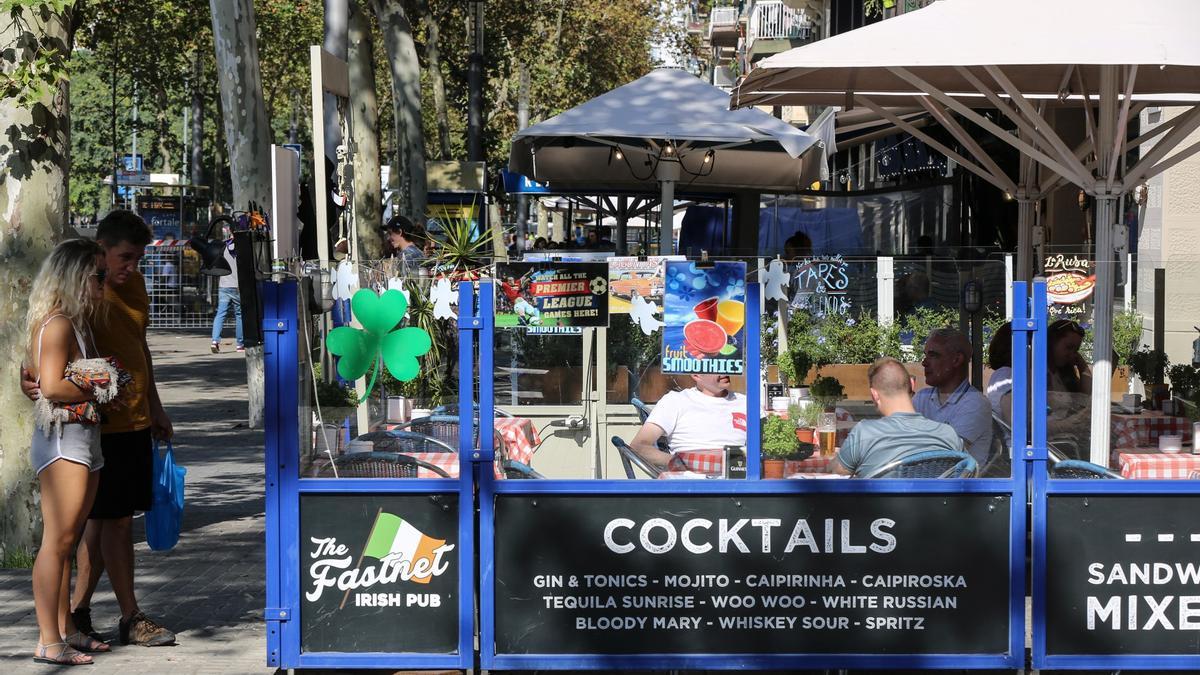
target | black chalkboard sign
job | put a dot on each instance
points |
(1123, 575)
(379, 573)
(886, 574)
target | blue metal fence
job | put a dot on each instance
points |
(1029, 486)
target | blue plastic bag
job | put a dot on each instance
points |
(165, 517)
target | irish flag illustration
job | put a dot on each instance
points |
(394, 539)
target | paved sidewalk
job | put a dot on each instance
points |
(209, 588)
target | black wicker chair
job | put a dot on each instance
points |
(930, 464)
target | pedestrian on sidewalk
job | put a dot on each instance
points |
(228, 296)
(65, 449)
(126, 439)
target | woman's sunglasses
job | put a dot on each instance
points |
(1066, 324)
(100, 275)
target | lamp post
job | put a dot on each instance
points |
(973, 303)
(475, 86)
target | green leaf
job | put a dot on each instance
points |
(401, 349)
(378, 314)
(357, 350)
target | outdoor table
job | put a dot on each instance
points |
(1148, 463)
(520, 438)
(710, 463)
(1134, 431)
(845, 421)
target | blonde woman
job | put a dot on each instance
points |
(66, 445)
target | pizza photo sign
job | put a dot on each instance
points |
(1069, 279)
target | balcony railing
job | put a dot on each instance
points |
(723, 16)
(723, 26)
(773, 20)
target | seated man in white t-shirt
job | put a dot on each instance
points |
(705, 417)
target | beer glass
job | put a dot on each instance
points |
(827, 434)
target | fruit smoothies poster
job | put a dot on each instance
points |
(705, 312)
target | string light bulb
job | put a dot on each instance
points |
(669, 149)
(708, 157)
(618, 154)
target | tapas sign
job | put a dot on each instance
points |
(822, 285)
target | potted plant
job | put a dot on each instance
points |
(778, 443)
(1185, 381)
(335, 403)
(1146, 364)
(794, 365)
(826, 391)
(805, 418)
(1126, 335)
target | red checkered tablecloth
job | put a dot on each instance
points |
(446, 461)
(711, 463)
(1145, 465)
(1143, 430)
(520, 440)
(520, 436)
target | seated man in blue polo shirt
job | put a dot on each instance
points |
(949, 397)
(873, 444)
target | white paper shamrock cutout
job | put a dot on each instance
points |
(642, 313)
(397, 284)
(443, 295)
(775, 280)
(345, 281)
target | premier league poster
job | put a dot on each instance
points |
(540, 296)
(705, 315)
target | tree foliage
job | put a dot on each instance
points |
(573, 49)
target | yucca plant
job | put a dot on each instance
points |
(464, 250)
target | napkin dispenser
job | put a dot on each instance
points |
(735, 462)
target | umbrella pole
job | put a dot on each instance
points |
(666, 218)
(1024, 239)
(622, 224)
(667, 173)
(1102, 330)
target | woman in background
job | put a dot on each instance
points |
(65, 450)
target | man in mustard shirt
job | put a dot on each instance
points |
(127, 436)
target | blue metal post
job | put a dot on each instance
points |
(484, 475)
(753, 357)
(282, 437)
(468, 324)
(271, 464)
(1036, 455)
(487, 398)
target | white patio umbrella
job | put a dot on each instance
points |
(669, 128)
(1108, 58)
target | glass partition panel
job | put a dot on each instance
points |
(824, 416)
(1155, 385)
(379, 426)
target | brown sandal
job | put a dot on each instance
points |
(67, 656)
(87, 644)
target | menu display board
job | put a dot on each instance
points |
(691, 574)
(632, 276)
(705, 316)
(543, 295)
(1122, 575)
(1070, 282)
(379, 573)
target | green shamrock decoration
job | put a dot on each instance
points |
(359, 348)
